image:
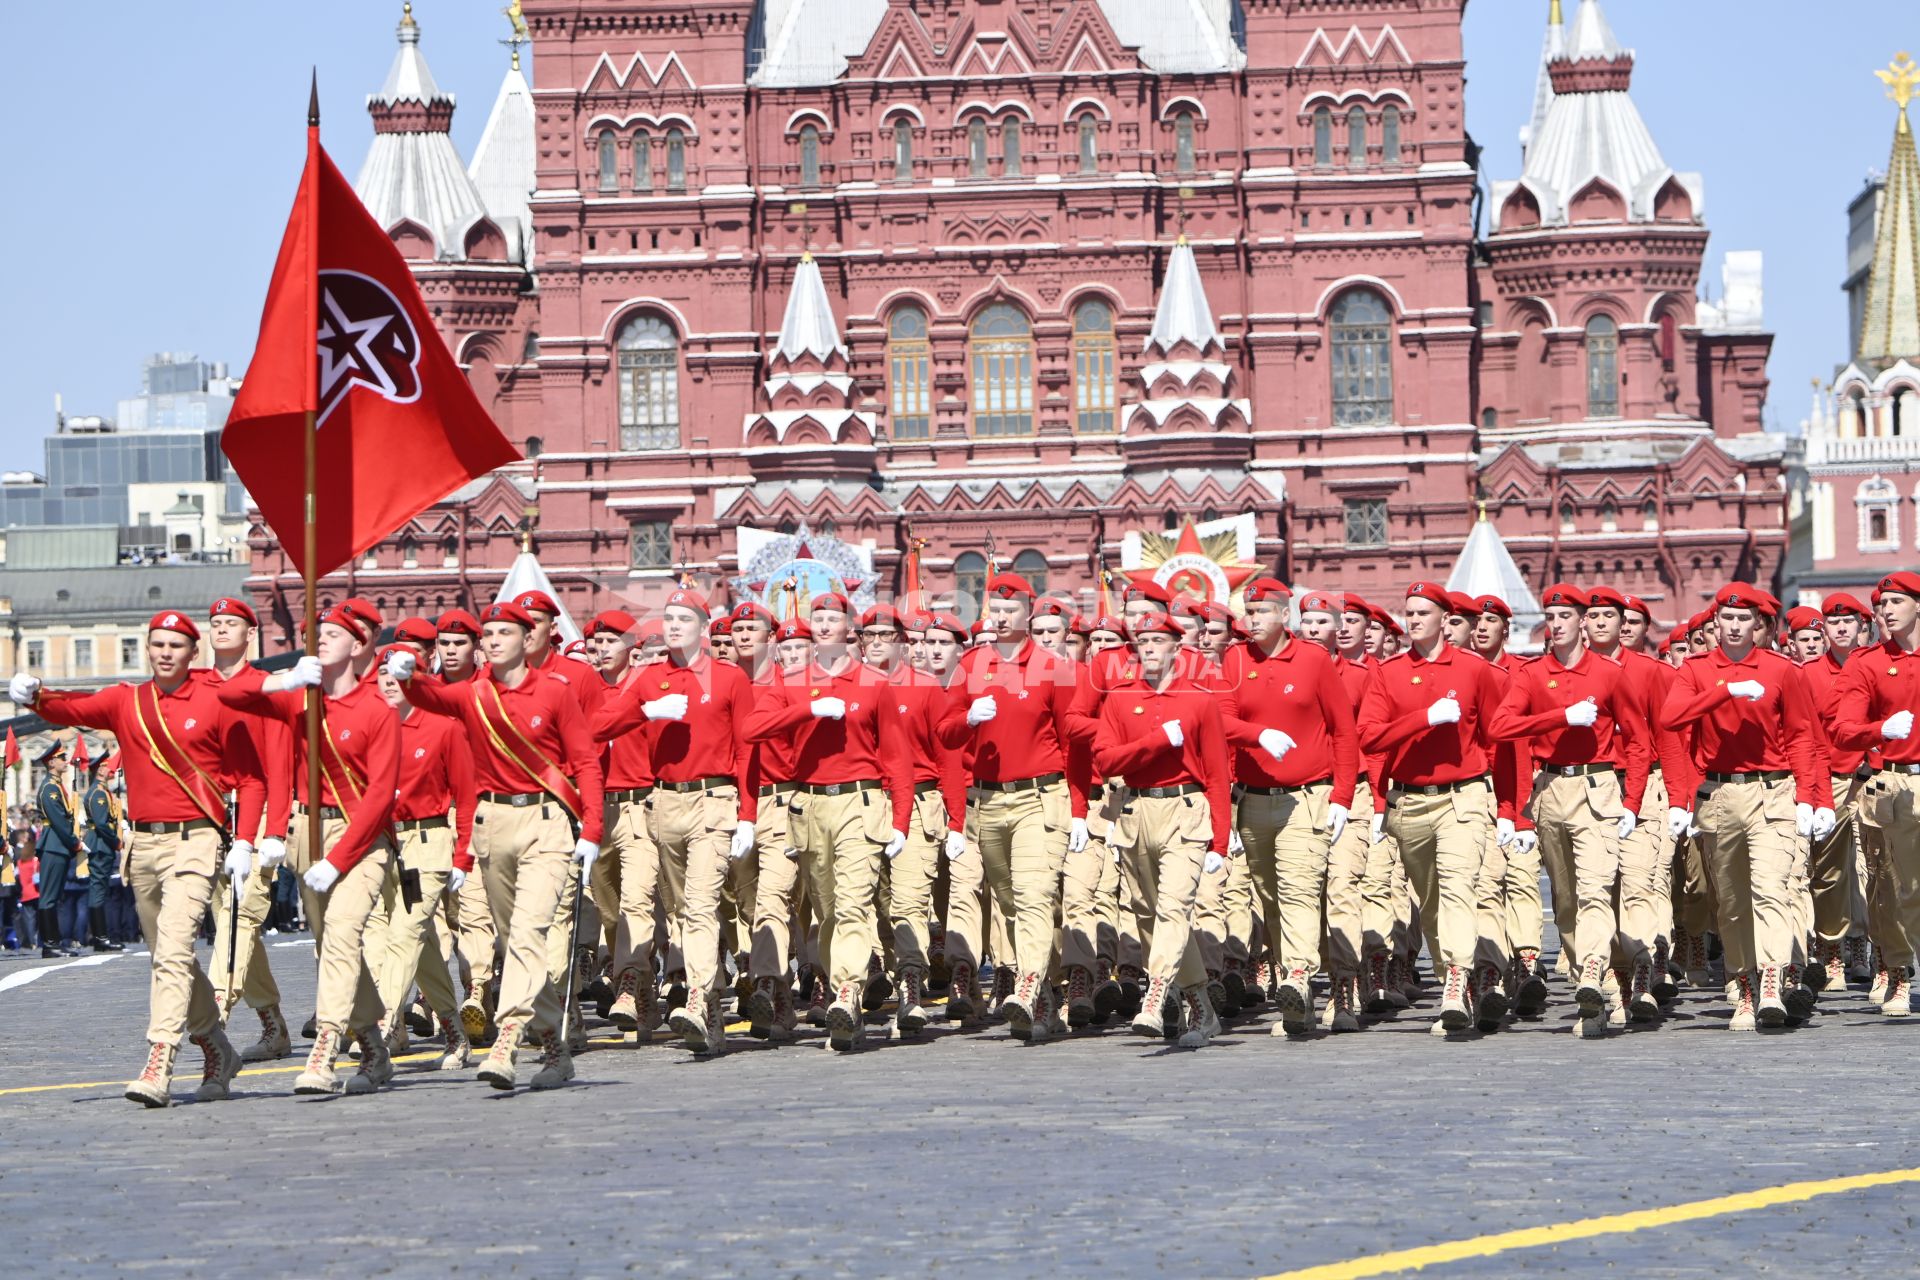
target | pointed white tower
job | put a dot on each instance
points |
(809, 427)
(1553, 46)
(1189, 415)
(503, 163)
(1486, 568)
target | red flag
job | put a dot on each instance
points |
(110, 765)
(346, 334)
(13, 749)
(80, 752)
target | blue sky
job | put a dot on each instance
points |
(154, 148)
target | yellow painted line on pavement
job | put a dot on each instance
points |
(1401, 1260)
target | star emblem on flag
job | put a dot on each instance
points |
(365, 340)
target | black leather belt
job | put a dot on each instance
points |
(1904, 770)
(839, 788)
(421, 824)
(327, 811)
(922, 788)
(629, 796)
(516, 799)
(1023, 784)
(1576, 770)
(1167, 793)
(777, 788)
(175, 828)
(697, 784)
(1769, 775)
(1285, 791)
(1434, 788)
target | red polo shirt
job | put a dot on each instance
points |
(708, 742)
(1033, 692)
(1297, 690)
(436, 776)
(1131, 744)
(1733, 735)
(1823, 686)
(922, 700)
(629, 752)
(1393, 719)
(866, 744)
(1535, 710)
(1875, 683)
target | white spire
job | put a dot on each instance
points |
(1552, 46)
(1591, 36)
(526, 574)
(503, 163)
(1486, 568)
(808, 326)
(1183, 313)
(408, 79)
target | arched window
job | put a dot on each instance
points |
(1010, 146)
(1609, 517)
(676, 160)
(977, 148)
(902, 151)
(1649, 515)
(1323, 137)
(1089, 143)
(1093, 382)
(1669, 339)
(534, 446)
(609, 162)
(970, 584)
(1603, 368)
(1032, 565)
(1489, 419)
(809, 156)
(1359, 335)
(1357, 138)
(1183, 142)
(642, 162)
(909, 360)
(1002, 356)
(649, 384)
(1390, 136)
(1568, 516)
(409, 553)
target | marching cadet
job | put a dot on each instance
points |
(854, 802)
(58, 845)
(1849, 628)
(182, 751)
(1027, 806)
(1296, 763)
(231, 623)
(1427, 709)
(359, 773)
(539, 817)
(1164, 735)
(1874, 702)
(1383, 889)
(1749, 716)
(1582, 719)
(769, 1007)
(720, 638)
(103, 856)
(433, 831)
(943, 639)
(1830, 870)
(702, 811)
(456, 651)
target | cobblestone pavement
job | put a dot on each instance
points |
(966, 1154)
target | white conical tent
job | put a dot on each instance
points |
(527, 575)
(1485, 568)
(808, 326)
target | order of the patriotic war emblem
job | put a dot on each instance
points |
(366, 339)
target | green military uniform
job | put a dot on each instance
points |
(103, 860)
(58, 845)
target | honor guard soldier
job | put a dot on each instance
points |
(1753, 741)
(103, 856)
(182, 751)
(539, 817)
(58, 844)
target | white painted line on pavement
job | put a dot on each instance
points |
(13, 980)
(303, 942)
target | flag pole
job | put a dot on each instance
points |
(310, 442)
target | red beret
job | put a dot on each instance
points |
(1841, 602)
(1320, 602)
(1492, 604)
(1214, 611)
(1107, 622)
(1904, 581)
(685, 597)
(574, 649)
(1185, 606)
(1052, 607)
(1769, 603)
(880, 615)
(1462, 605)
(1267, 589)
(1803, 618)
(794, 629)
(178, 623)
(650, 629)
(948, 623)
(831, 601)
(363, 609)
(1079, 625)
(387, 651)
(418, 630)
(617, 621)
(1565, 593)
(1005, 586)
(1429, 591)
(1738, 595)
(721, 626)
(1604, 597)
(341, 616)
(532, 600)
(1148, 590)
(754, 609)
(1162, 623)
(230, 607)
(1636, 605)
(460, 621)
(1351, 603)
(507, 611)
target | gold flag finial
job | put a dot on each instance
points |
(1900, 79)
(1553, 15)
(406, 14)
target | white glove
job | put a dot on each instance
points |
(400, 664)
(1628, 821)
(1235, 845)
(584, 853)
(1276, 743)
(1581, 715)
(895, 845)
(239, 865)
(456, 881)
(672, 707)
(1678, 820)
(1213, 865)
(1379, 828)
(1803, 819)
(1336, 822)
(1445, 711)
(1175, 734)
(303, 674)
(956, 845)
(829, 708)
(1751, 690)
(1503, 831)
(1899, 725)
(742, 843)
(581, 655)
(1077, 835)
(321, 876)
(23, 689)
(1823, 823)
(984, 708)
(1525, 842)
(272, 851)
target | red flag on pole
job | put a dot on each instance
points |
(13, 749)
(346, 334)
(80, 760)
(110, 765)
